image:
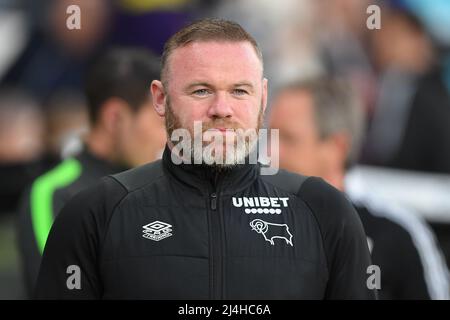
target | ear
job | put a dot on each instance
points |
(158, 97)
(264, 93)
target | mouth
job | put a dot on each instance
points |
(222, 129)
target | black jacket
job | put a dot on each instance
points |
(44, 199)
(403, 246)
(426, 139)
(166, 231)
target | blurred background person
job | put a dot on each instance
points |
(402, 53)
(67, 119)
(343, 47)
(46, 56)
(321, 127)
(22, 130)
(55, 57)
(125, 132)
(425, 144)
(39, 55)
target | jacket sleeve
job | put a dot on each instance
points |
(70, 263)
(407, 270)
(28, 249)
(415, 265)
(33, 225)
(425, 264)
(345, 244)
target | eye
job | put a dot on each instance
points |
(201, 92)
(239, 92)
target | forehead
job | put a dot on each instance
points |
(293, 108)
(215, 60)
(293, 102)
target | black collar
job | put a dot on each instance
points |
(208, 180)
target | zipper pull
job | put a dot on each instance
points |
(213, 201)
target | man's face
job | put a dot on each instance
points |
(141, 135)
(219, 84)
(301, 149)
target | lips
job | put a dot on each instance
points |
(221, 129)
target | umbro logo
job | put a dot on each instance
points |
(157, 230)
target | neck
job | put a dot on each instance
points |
(336, 179)
(206, 178)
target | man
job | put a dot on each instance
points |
(21, 144)
(125, 132)
(203, 228)
(321, 128)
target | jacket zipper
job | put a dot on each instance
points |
(213, 201)
(216, 245)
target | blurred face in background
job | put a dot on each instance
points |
(401, 44)
(300, 146)
(302, 149)
(95, 17)
(343, 15)
(21, 135)
(67, 120)
(139, 136)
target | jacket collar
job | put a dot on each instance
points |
(208, 180)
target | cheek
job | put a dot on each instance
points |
(142, 134)
(189, 111)
(197, 113)
(300, 158)
(246, 113)
(125, 130)
(288, 156)
(147, 130)
(325, 156)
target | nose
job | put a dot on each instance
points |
(220, 107)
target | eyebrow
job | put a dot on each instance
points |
(197, 84)
(205, 84)
(244, 84)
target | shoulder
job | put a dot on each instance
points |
(98, 202)
(285, 180)
(380, 224)
(58, 178)
(139, 177)
(93, 205)
(321, 198)
(402, 223)
(329, 205)
(413, 238)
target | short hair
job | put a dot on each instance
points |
(202, 31)
(124, 73)
(337, 108)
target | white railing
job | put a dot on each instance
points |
(426, 194)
